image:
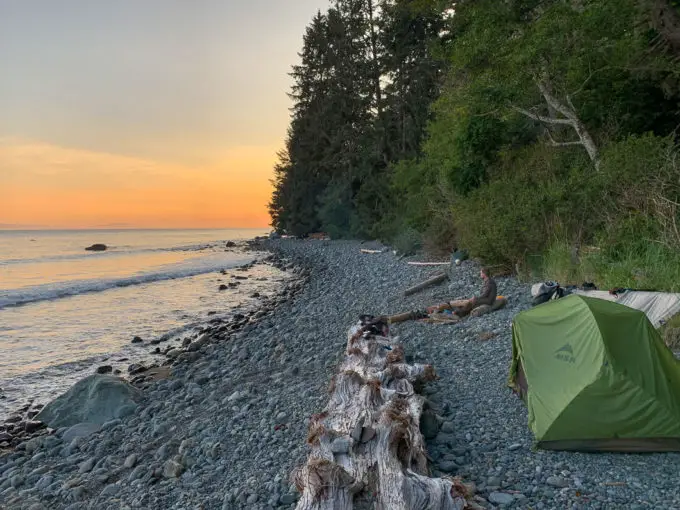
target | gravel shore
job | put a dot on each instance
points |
(226, 429)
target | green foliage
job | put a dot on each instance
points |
(335, 210)
(361, 98)
(408, 241)
(470, 130)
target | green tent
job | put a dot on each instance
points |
(595, 375)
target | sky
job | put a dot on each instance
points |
(144, 113)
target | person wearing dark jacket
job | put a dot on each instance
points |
(489, 289)
(463, 307)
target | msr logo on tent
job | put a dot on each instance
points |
(565, 353)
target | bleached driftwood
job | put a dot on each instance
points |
(429, 263)
(367, 447)
(438, 278)
(365, 250)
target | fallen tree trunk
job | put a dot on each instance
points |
(438, 278)
(366, 444)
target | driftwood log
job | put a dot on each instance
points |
(438, 278)
(367, 450)
(429, 263)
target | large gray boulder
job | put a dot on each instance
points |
(95, 399)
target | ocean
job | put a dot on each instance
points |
(65, 310)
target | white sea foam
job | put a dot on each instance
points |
(191, 267)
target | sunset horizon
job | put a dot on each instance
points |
(161, 115)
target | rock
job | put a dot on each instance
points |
(557, 481)
(447, 466)
(223, 287)
(97, 247)
(448, 427)
(80, 430)
(95, 399)
(111, 423)
(199, 342)
(33, 445)
(281, 417)
(104, 369)
(125, 410)
(86, 466)
(230, 244)
(172, 469)
(44, 482)
(4, 436)
(173, 353)
(130, 461)
(501, 498)
(137, 340)
(189, 356)
(16, 481)
(514, 447)
(136, 368)
(252, 499)
(137, 473)
(287, 499)
(109, 490)
(33, 425)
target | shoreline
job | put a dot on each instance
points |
(226, 431)
(140, 367)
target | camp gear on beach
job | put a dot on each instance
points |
(659, 307)
(545, 291)
(595, 375)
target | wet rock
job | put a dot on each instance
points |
(31, 426)
(173, 353)
(222, 287)
(96, 247)
(136, 368)
(104, 369)
(137, 340)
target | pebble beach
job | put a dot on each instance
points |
(227, 425)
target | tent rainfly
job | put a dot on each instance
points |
(595, 376)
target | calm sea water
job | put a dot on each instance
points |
(64, 310)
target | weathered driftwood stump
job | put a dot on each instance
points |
(367, 448)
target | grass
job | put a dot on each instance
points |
(654, 267)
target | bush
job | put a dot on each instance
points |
(407, 242)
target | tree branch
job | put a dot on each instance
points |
(555, 103)
(541, 118)
(555, 143)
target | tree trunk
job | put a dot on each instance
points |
(570, 118)
(366, 444)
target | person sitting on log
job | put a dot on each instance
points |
(463, 307)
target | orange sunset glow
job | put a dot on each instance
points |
(44, 184)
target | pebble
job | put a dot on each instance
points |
(557, 481)
(501, 498)
(130, 461)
